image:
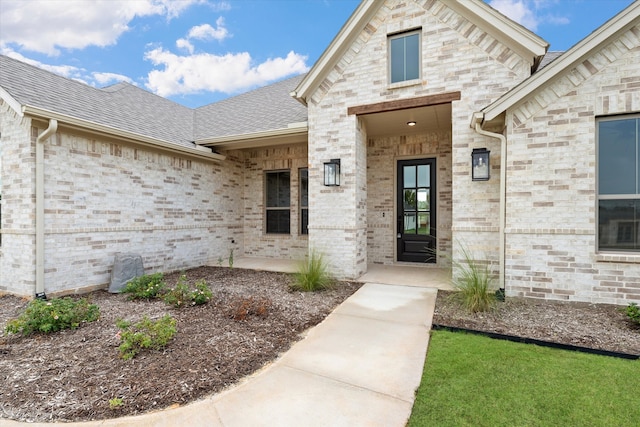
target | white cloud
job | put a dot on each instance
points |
(104, 79)
(207, 32)
(184, 44)
(46, 26)
(529, 13)
(228, 73)
(518, 10)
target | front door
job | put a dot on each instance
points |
(416, 225)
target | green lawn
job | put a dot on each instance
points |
(472, 380)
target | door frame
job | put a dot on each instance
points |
(433, 159)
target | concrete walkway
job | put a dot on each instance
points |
(359, 367)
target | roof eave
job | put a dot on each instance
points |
(294, 133)
(93, 127)
(619, 23)
(11, 101)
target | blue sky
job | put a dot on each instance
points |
(200, 51)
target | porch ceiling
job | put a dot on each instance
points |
(430, 118)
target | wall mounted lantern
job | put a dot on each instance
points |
(480, 164)
(332, 173)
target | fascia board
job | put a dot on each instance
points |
(300, 129)
(617, 24)
(11, 101)
(90, 126)
(347, 34)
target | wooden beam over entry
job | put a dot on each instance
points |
(401, 104)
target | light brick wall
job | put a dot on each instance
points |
(552, 182)
(456, 56)
(17, 253)
(256, 162)
(105, 196)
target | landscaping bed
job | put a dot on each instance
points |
(596, 326)
(74, 375)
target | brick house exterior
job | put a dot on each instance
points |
(122, 170)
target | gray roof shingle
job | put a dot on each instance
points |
(126, 107)
(267, 108)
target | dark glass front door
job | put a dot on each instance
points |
(416, 225)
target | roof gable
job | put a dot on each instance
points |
(620, 23)
(519, 39)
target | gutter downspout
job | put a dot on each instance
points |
(51, 130)
(476, 124)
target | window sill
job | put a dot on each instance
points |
(623, 257)
(406, 83)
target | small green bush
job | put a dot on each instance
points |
(54, 315)
(312, 275)
(148, 286)
(146, 334)
(633, 312)
(182, 295)
(473, 280)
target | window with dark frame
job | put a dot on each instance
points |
(404, 56)
(619, 183)
(278, 202)
(304, 201)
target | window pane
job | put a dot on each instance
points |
(304, 187)
(412, 57)
(409, 174)
(617, 157)
(423, 176)
(409, 223)
(618, 224)
(409, 200)
(397, 59)
(278, 221)
(278, 191)
(304, 221)
(423, 224)
(423, 199)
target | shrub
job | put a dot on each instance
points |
(633, 312)
(182, 295)
(473, 280)
(312, 275)
(244, 307)
(145, 287)
(146, 334)
(54, 315)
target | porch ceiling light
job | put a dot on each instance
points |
(411, 123)
(332, 173)
(480, 164)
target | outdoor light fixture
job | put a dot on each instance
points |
(480, 164)
(332, 173)
(411, 123)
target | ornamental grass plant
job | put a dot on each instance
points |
(312, 275)
(473, 280)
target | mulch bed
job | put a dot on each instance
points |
(596, 326)
(72, 375)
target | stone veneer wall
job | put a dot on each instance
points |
(382, 156)
(106, 196)
(17, 253)
(256, 162)
(552, 182)
(456, 56)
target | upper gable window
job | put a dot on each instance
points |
(404, 56)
